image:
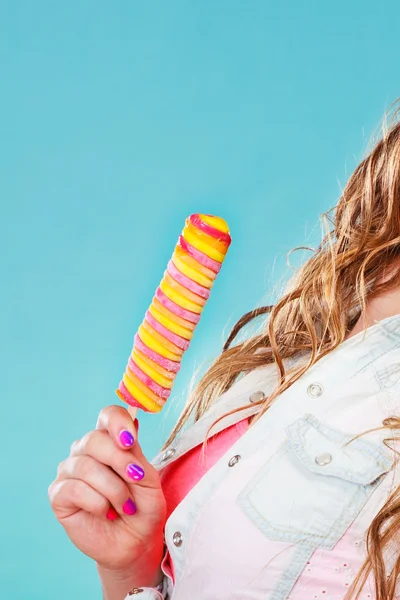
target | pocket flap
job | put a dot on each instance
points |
(326, 451)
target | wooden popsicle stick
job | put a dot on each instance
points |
(132, 410)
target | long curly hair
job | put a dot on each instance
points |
(320, 307)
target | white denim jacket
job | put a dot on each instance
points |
(284, 513)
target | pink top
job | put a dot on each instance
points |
(181, 476)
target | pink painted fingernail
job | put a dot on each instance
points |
(111, 514)
(126, 438)
(135, 472)
(129, 507)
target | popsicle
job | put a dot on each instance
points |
(169, 323)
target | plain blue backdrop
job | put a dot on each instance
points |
(119, 119)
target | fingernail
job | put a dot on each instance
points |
(126, 438)
(135, 472)
(111, 514)
(129, 507)
(136, 423)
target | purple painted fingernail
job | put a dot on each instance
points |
(129, 507)
(126, 438)
(135, 472)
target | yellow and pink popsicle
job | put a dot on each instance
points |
(170, 321)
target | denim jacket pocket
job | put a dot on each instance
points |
(314, 486)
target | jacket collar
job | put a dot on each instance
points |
(353, 355)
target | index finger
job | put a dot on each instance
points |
(119, 424)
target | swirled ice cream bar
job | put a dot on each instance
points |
(169, 323)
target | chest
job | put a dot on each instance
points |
(291, 500)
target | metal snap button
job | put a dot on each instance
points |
(135, 591)
(177, 539)
(314, 390)
(323, 459)
(257, 396)
(234, 460)
(168, 454)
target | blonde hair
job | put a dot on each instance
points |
(325, 299)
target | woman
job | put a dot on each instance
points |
(295, 494)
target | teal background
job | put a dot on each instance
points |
(117, 120)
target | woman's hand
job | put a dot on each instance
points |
(109, 500)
